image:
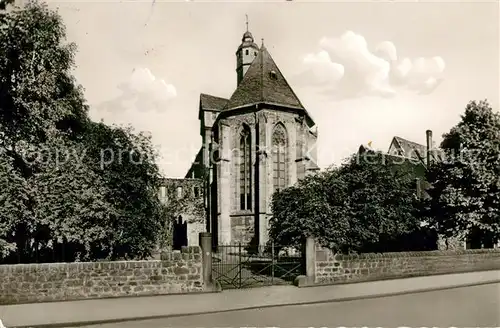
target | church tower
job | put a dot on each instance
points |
(246, 53)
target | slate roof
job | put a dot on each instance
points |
(212, 102)
(410, 149)
(263, 83)
(365, 148)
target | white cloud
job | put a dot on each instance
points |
(321, 71)
(345, 67)
(142, 92)
(386, 50)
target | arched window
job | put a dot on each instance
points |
(245, 170)
(280, 148)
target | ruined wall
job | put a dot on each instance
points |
(177, 272)
(185, 197)
(450, 243)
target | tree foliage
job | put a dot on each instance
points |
(465, 198)
(366, 204)
(61, 198)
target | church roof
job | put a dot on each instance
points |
(264, 83)
(212, 102)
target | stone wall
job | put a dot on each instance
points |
(177, 272)
(337, 268)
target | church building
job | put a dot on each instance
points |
(260, 140)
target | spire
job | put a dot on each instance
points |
(246, 16)
(262, 46)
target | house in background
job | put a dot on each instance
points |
(422, 156)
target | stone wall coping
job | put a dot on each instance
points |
(411, 254)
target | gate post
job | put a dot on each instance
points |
(311, 259)
(206, 257)
(310, 262)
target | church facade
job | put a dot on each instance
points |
(259, 140)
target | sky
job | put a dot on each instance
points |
(365, 71)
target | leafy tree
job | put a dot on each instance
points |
(39, 104)
(313, 207)
(366, 204)
(60, 198)
(465, 197)
(127, 164)
(382, 206)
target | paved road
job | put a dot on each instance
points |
(477, 306)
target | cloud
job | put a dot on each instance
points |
(346, 67)
(142, 92)
(321, 71)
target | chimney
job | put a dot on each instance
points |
(428, 138)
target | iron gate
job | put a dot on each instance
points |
(244, 266)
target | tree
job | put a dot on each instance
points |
(382, 206)
(366, 204)
(465, 193)
(61, 199)
(127, 164)
(312, 208)
(39, 104)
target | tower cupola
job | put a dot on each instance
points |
(246, 53)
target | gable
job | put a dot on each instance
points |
(394, 148)
(409, 148)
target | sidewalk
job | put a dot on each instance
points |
(64, 314)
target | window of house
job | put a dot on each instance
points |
(196, 192)
(255, 53)
(245, 170)
(273, 75)
(179, 192)
(279, 140)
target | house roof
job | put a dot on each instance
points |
(365, 148)
(212, 102)
(264, 83)
(409, 147)
(416, 150)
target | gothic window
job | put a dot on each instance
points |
(280, 147)
(245, 170)
(179, 192)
